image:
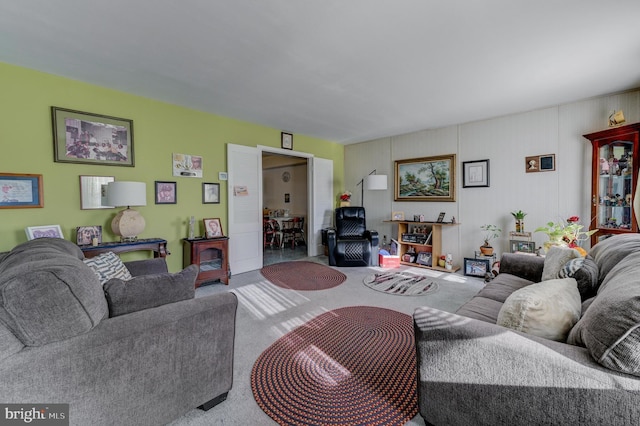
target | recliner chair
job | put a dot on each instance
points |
(350, 243)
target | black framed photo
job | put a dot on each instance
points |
(475, 174)
(86, 234)
(476, 267)
(210, 193)
(286, 140)
(166, 192)
(85, 138)
(540, 163)
(424, 258)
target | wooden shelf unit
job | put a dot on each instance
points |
(435, 246)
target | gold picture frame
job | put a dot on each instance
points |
(426, 179)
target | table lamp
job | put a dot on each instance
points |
(128, 223)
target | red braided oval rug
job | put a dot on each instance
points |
(303, 275)
(349, 366)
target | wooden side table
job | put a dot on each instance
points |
(211, 255)
(157, 245)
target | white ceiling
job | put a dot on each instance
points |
(342, 70)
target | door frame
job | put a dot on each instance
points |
(311, 238)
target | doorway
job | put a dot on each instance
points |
(285, 207)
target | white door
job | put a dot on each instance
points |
(244, 189)
(322, 196)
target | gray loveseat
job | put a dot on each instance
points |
(473, 371)
(147, 363)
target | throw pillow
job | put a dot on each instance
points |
(610, 325)
(108, 265)
(548, 309)
(149, 291)
(585, 271)
(555, 259)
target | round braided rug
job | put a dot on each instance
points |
(349, 366)
(401, 283)
(303, 275)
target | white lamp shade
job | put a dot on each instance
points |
(123, 193)
(376, 182)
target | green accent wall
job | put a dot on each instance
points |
(160, 129)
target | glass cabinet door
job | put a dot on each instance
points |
(614, 177)
(615, 186)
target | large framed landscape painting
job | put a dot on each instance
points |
(426, 179)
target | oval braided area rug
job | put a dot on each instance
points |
(349, 366)
(303, 275)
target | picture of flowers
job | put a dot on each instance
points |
(426, 179)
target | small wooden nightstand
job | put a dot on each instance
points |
(210, 254)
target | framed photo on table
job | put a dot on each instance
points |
(476, 267)
(212, 228)
(86, 234)
(44, 231)
(82, 137)
(426, 179)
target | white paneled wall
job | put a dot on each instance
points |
(505, 141)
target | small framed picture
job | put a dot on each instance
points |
(424, 258)
(223, 176)
(213, 228)
(523, 246)
(86, 234)
(166, 192)
(441, 217)
(476, 267)
(20, 191)
(397, 216)
(210, 193)
(44, 231)
(286, 140)
(93, 192)
(475, 173)
(540, 163)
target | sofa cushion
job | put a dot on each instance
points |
(585, 271)
(47, 294)
(481, 308)
(548, 309)
(609, 252)
(502, 287)
(610, 325)
(149, 291)
(555, 259)
(108, 265)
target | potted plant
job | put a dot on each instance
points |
(345, 199)
(491, 232)
(519, 217)
(569, 234)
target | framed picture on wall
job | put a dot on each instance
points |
(210, 193)
(286, 140)
(86, 138)
(20, 191)
(93, 192)
(166, 192)
(475, 173)
(426, 179)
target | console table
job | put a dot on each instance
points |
(210, 254)
(157, 245)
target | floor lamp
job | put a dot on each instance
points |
(372, 182)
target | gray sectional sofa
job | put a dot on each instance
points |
(474, 371)
(141, 352)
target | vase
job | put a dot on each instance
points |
(519, 225)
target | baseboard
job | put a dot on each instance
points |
(213, 402)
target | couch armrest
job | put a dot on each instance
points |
(473, 372)
(156, 265)
(167, 360)
(523, 266)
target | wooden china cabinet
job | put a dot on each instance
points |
(613, 182)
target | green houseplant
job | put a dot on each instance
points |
(519, 217)
(490, 232)
(568, 234)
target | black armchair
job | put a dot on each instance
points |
(350, 243)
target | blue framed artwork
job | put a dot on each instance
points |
(20, 191)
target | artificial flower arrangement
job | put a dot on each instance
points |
(569, 234)
(345, 196)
